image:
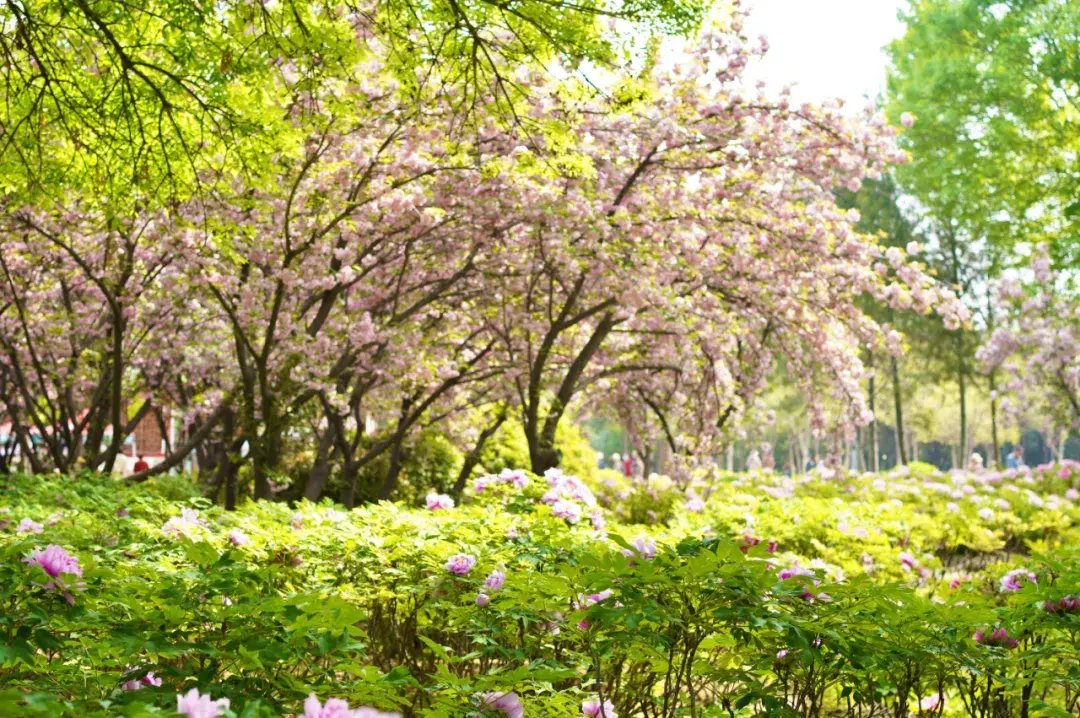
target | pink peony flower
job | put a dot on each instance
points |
(593, 708)
(644, 547)
(29, 526)
(337, 708)
(930, 703)
(908, 562)
(138, 683)
(460, 564)
(592, 599)
(1069, 604)
(56, 562)
(238, 538)
(334, 516)
(794, 571)
(552, 626)
(1014, 580)
(495, 580)
(194, 705)
(482, 599)
(907, 119)
(184, 524)
(566, 487)
(566, 510)
(517, 477)
(998, 637)
(438, 502)
(508, 703)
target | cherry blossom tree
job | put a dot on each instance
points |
(695, 238)
(1038, 343)
(80, 325)
(658, 247)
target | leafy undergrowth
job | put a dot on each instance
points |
(907, 593)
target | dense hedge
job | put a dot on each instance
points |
(865, 595)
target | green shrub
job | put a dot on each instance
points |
(815, 596)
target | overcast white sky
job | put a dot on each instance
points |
(825, 48)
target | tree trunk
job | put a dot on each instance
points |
(196, 438)
(992, 379)
(116, 393)
(349, 471)
(962, 381)
(473, 457)
(901, 451)
(542, 457)
(232, 470)
(402, 430)
(227, 463)
(860, 447)
(875, 452)
(320, 469)
(394, 470)
(269, 455)
(993, 421)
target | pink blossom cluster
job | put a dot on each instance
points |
(198, 705)
(643, 547)
(595, 708)
(460, 564)
(1038, 344)
(1014, 580)
(136, 684)
(493, 582)
(439, 502)
(194, 704)
(748, 542)
(930, 704)
(338, 708)
(1068, 604)
(569, 499)
(513, 477)
(56, 563)
(238, 538)
(998, 637)
(188, 523)
(809, 582)
(509, 704)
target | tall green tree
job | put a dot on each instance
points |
(994, 91)
(989, 93)
(140, 100)
(880, 214)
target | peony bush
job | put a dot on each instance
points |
(913, 592)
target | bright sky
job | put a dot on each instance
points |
(826, 48)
